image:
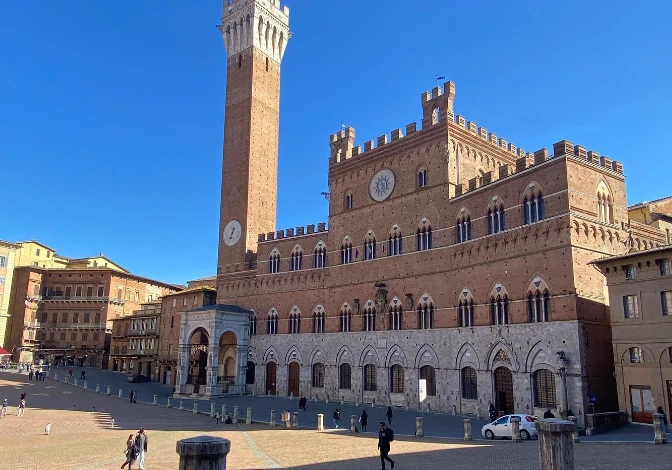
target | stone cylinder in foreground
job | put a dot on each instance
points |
(272, 421)
(575, 436)
(248, 418)
(659, 436)
(235, 415)
(418, 427)
(203, 453)
(515, 429)
(467, 429)
(556, 444)
(353, 423)
(320, 422)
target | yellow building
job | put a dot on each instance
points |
(7, 261)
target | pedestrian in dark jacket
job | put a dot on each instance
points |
(364, 420)
(336, 417)
(548, 414)
(389, 415)
(661, 411)
(384, 445)
(491, 411)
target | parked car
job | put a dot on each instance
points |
(501, 427)
(136, 379)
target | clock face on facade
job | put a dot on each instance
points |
(232, 233)
(381, 185)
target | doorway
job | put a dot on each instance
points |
(167, 376)
(294, 378)
(504, 390)
(271, 372)
(641, 401)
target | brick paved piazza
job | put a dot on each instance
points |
(82, 439)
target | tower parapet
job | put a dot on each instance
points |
(263, 24)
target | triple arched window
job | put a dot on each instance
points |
(370, 246)
(274, 261)
(345, 319)
(296, 259)
(396, 317)
(605, 206)
(539, 306)
(496, 219)
(424, 237)
(534, 207)
(272, 322)
(395, 242)
(369, 318)
(295, 322)
(499, 310)
(318, 319)
(463, 228)
(346, 251)
(465, 311)
(426, 313)
(320, 255)
(253, 325)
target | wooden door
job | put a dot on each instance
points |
(504, 390)
(294, 378)
(641, 402)
(271, 373)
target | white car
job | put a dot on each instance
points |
(501, 427)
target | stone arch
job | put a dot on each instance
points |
(369, 356)
(271, 355)
(426, 357)
(536, 282)
(539, 357)
(465, 295)
(500, 354)
(498, 289)
(194, 330)
(665, 355)
(467, 356)
(293, 355)
(345, 356)
(252, 354)
(462, 212)
(531, 188)
(395, 355)
(317, 355)
(649, 357)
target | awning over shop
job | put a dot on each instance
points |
(3, 352)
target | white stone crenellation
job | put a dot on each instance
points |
(262, 24)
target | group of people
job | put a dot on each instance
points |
(136, 448)
(20, 410)
(302, 403)
(38, 374)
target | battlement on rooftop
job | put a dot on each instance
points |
(232, 7)
(291, 232)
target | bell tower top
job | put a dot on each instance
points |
(262, 24)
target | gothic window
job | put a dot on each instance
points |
(253, 324)
(534, 208)
(349, 202)
(499, 310)
(344, 319)
(370, 246)
(395, 242)
(346, 251)
(344, 377)
(469, 383)
(370, 318)
(422, 178)
(429, 374)
(605, 206)
(396, 317)
(463, 228)
(272, 322)
(320, 255)
(496, 218)
(318, 319)
(318, 375)
(296, 258)
(274, 261)
(425, 313)
(424, 236)
(370, 377)
(465, 312)
(544, 389)
(295, 321)
(397, 379)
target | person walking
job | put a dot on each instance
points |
(491, 411)
(666, 428)
(336, 417)
(22, 408)
(364, 420)
(385, 436)
(389, 415)
(131, 456)
(141, 441)
(217, 417)
(5, 405)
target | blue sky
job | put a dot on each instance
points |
(111, 115)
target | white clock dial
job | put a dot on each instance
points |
(232, 232)
(382, 185)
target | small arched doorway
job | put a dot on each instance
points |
(504, 390)
(249, 373)
(167, 376)
(227, 361)
(294, 379)
(198, 359)
(271, 373)
(149, 370)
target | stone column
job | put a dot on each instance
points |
(84, 385)
(203, 453)
(168, 404)
(235, 415)
(556, 445)
(248, 418)
(467, 429)
(659, 429)
(195, 408)
(418, 427)
(353, 423)
(75, 382)
(212, 388)
(562, 391)
(575, 436)
(55, 375)
(296, 420)
(97, 388)
(121, 393)
(156, 400)
(182, 371)
(515, 429)
(320, 422)
(212, 410)
(181, 404)
(272, 420)
(223, 413)
(109, 390)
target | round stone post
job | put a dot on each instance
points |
(248, 418)
(85, 385)
(181, 404)
(235, 415)
(223, 413)
(556, 445)
(357, 401)
(121, 392)
(575, 436)
(291, 396)
(272, 420)
(168, 403)
(203, 453)
(97, 388)
(212, 410)
(75, 382)
(109, 390)
(418, 427)
(320, 422)
(515, 429)
(195, 409)
(296, 420)
(454, 411)
(478, 412)
(353, 423)
(659, 429)
(156, 400)
(467, 429)
(55, 375)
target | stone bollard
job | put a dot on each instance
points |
(467, 429)
(659, 429)
(478, 413)
(156, 400)
(575, 436)
(121, 393)
(223, 413)
(454, 411)
(97, 388)
(291, 396)
(75, 382)
(203, 453)
(85, 385)
(296, 420)
(108, 390)
(235, 415)
(418, 427)
(181, 404)
(55, 375)
(357, 401)
(515, 429)
(556, 446)
(320, 422)
(353, 423)
(168, 403)
(212, 410)
(248, 418)
(272, 420)
(195, 408)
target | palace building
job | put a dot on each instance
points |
(450, 254)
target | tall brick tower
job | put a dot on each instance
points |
(255, 35)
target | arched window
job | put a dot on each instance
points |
(320, 255)
(370, 377)
(397, 379)
(499, 310)
(344, 377)
(370, 318)
(370, 246)
(496, 218)
(463, 228)
(422, 178)
(534, 208)
(424, 237)
(605, 206)
(425, 313)
(116, 350)
(318, 375)
(274, 261)
(538, 306)
(345, 319)
(466, 312)
(272, 322)
(469, 383)
(346, 251)
(253, 324)
(296, 258)
(349, 201)
(429, 374)
(318, 319)
(544, 389)
(395, 241)
(295, 321)
(396, 316)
